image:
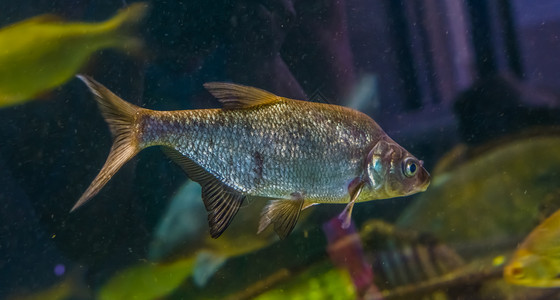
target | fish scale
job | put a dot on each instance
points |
(292, 146)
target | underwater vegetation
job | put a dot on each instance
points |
(318, 282)
(401, 263)
(183, 232)
(43, 52)
(146, 280)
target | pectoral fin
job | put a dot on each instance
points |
(222, 202)
(354, 189)
(283, 214)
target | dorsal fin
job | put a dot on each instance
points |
(236, 96)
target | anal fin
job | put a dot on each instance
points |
(283, 214)
(222, 202)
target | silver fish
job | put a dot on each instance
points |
(297, 152)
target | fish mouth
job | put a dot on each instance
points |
(421, 185)
(511, 272)
(427, 179)
(426, 184)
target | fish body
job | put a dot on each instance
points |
(296, 152)
(44, 52)
(536, 262)
(274, 150)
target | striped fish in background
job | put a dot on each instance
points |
(406, 260)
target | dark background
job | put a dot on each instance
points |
(438, 72)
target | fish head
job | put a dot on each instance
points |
(394, 172)
(529, 269)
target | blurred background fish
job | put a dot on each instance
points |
(526, 172)
(536, 262)
(43, 52)
(506, 188)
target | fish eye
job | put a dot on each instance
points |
(410, 167)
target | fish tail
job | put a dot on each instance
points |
(124, 23)
(122, 119)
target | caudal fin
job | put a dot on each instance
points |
(121, 27)
(121, 117)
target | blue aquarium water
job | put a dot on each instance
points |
(466, 91)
